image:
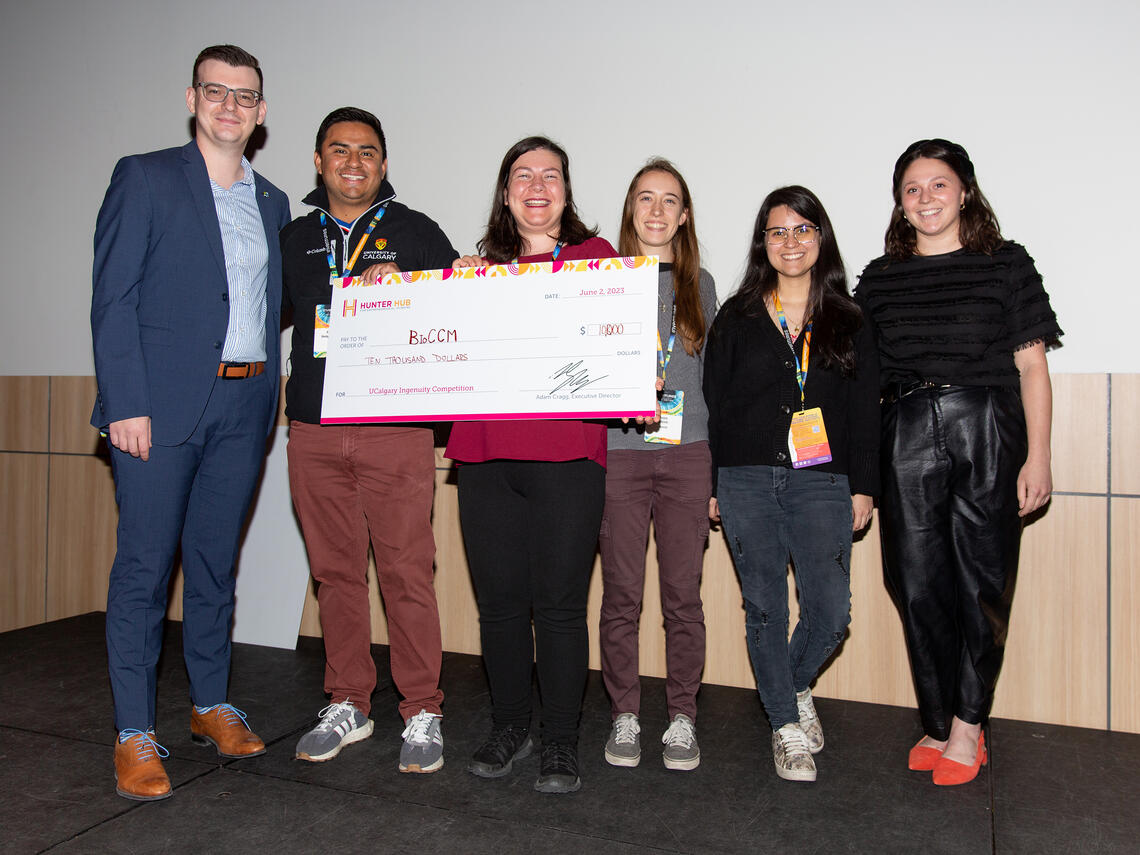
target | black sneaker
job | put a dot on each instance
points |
(503, 747)
(558, 769)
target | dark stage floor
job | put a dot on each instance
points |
(1048, 788)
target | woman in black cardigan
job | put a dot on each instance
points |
(792, 387)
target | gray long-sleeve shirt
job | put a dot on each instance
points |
(684, 371)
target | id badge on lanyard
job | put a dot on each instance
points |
(671, 402)
(807, 439)
(807, 436)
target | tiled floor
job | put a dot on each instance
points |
(1048, 789)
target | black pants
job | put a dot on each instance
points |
(950, 538)
(531, 530)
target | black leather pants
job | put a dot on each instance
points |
(950, 538)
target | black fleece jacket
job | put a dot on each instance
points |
(407, 238)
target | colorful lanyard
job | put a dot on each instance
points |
(360, 246)
(664, 357)
(553, 255)
(801, 371)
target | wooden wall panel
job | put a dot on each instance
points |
(1057, 652)
(872, 664)
(71, 402)
(1126, 434)
(61, 509)
(1125, 604)
(81, 535)
(24, 413)
(1080, 432)
(311, 614)
(458, 614)
(726, 654)
(281, 420)
(23, 538)
(174, 601)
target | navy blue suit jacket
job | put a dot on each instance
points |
(160, 302)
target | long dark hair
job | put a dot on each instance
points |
(834, 316)
(691, 321)
(502, 242)
(978, 229)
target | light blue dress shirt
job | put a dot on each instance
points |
(247, 267)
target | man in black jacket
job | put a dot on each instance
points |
(356, 483)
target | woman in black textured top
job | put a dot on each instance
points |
(962, 323)
(788, 360)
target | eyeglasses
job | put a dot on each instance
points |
(218, 93)
(804, 233)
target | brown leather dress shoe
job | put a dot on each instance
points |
(224, 727)
(138, 770)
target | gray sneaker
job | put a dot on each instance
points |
(423, 743)
(623, 748)
(341, 724)
(809, 721)
(681, 749)
(791, 755)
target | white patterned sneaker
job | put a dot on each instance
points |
(341, 724)
(423, 743)
(809, 721)
(681, 749)
(791, 755)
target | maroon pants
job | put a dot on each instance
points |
(672, 484)
(355, 483)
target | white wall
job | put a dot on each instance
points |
(1043, 95)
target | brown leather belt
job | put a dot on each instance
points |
(240, 370)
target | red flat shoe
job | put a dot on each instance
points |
(948, 773)
(922, 757)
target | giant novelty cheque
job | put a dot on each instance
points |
(573, 339)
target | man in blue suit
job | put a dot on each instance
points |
(185, 320)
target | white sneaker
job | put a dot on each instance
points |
(791, 755)
(809, 721)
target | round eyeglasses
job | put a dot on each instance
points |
(217, 92)
(803, 233)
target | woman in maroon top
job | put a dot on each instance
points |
(530, 502)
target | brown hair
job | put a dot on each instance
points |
(230, 55)
(502, 242)
(978, 229)
(691, 320)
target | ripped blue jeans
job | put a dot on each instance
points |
(771, 515)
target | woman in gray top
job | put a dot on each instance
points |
(661, 470)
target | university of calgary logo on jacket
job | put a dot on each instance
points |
(381, 243)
